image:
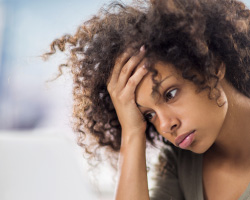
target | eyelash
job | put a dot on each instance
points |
(150, 115)
(169, 92)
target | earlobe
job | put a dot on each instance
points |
(221, 71)
(221, 99)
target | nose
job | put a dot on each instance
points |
(169, 123)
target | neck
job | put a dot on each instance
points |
(233, 141)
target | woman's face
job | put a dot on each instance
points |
(188, 119)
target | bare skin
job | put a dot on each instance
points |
(229, 175)
(221, 133)
(122, 84)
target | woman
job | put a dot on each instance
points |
(172, 69)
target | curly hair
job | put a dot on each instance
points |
(196, 36)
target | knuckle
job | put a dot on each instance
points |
(134, 60)
(131, 82)
(122, 57)
(109, 88)
(132, 101)
(114, 94)
(117, 61)
(119, 98)
(125, 54)
(124, 69)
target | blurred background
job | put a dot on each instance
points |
(34, 114)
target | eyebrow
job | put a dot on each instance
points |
(152, 92)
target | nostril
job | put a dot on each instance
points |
(173, 127)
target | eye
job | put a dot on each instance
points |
(149, 116)
(170, 95)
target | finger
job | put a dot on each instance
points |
(126, 63)
(135, 79)
(119, 63)
(129, 67)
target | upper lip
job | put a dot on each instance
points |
(180, 138)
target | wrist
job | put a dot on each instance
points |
(132, 138)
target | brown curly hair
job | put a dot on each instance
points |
(196, 36)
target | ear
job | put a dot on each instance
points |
(221, 71)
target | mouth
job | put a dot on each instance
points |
(185, 140)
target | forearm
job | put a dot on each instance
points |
(132, 184)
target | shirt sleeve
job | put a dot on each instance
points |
(167, 183)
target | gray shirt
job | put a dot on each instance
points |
(179, 176)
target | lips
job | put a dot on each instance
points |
(185, 140)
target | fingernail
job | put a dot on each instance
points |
(144, 68)
(142, 48)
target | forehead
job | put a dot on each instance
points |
(145, 86)
(164, 70)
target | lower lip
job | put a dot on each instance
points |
(187, 141)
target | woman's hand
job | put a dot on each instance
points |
(127, 74)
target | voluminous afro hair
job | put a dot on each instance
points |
(196, 36)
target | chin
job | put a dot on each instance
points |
(199, 148)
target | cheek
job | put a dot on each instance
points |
(206, 116)
(197, 109)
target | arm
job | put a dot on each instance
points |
(133, 175)
(132, 184)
